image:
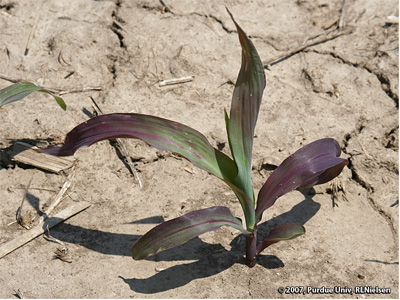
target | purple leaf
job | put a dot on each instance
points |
(315, 163)
(164, 135)
(157, 132)
(246, 101)
(20, 90)
(180, 230)
(281, 233)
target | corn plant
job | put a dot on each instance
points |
(20, 90)
(315, 163)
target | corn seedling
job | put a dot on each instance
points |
(315, 163)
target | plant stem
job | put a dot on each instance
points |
(251, 248)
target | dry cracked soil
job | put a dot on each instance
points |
(332, 71)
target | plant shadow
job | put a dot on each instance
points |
(209, 259)
(34, 202)
(7, 154)
(213, 259)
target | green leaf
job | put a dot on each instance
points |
(180, 230)
(20, 90)
(247, 205)
(245, 106)
(246, 202)
(281, 233)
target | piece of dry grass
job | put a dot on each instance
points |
(176, 80)
(122, 148)
(56, 201)
(60, 253)
(56, 90)
(37, 230)
(63, 254)
(25, 219)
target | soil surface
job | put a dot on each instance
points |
(345, 88)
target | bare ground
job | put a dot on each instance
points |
(345, 88)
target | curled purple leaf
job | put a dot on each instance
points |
(180, 230)
(315, 163)
(157, 132)
(281, 233)
(164, 135)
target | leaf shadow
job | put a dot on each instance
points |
(34, 202)
(103, 242)
(382, 262)
(209, 259)
(7, 154)
(299, 214)
(213, 259)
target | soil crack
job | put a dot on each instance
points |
(354, 175)
(226, 29)
(117, 28)
(387, 218)
(164, 8)
(366, 185)
(385, 83)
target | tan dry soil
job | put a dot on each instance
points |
(345, 88)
